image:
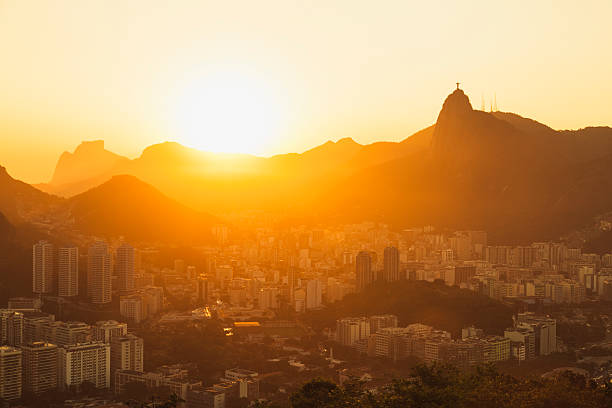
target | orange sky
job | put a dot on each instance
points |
(268, 77)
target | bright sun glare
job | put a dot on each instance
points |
(229, 112)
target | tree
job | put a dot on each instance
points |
(135, 390)
(88, 388)
(439, 386)
(171, 402)
(316, 393)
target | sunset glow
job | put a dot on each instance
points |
(228, 112)
(298, 74)
(305, 204)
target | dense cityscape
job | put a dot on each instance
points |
(320, 204)
(262, 290)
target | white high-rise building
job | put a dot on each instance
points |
(66, 333)
(382, 321)
(39, 367)
(544, 329)
(179, 267)
(191, 272)
(105, 330)
(10, 373)
(152, 300)
(11, 327)
(313, 294)
(268, 298)
(43, 267)
(68, 271)
(125, 267)
(84, 362)
(364, 273)
(352, 329)
(391, 264)
(131, 308)
(34, 325)
(99, 273)
(126, 353)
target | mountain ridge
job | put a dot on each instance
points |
(471, 169)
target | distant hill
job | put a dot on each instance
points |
(227, 182)
(435, 304)
(20, 202)
(89, 160)
(126, 206)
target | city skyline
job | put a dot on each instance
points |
(282, 204)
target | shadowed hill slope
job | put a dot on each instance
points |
(519, 183)
(21, 202)
(129, 207)
(443, 307)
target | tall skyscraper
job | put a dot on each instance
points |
(10, 373)
(363, 270)
(313, 294)
(68, 271)
(179, 267)
(84, 362)
(126, 354)
(39, 367)
(391, 265)
(545, 331)
(268, 298)
(99, 273)
(202, 290)
(131, 308)
(34, 324)
(11, 327)
(125, 267)
(191, 272)
(292, 275)
(352, 329)
(43, 267)
(463, 273)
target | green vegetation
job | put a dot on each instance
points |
(203, 345)
(138, 395)
(445, 386)
(443, 307)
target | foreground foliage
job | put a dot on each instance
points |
(444, 386)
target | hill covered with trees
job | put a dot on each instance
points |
(443, 307)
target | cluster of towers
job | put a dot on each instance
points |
(56, 271)
(365, 273)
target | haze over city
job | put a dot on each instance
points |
(305, 205)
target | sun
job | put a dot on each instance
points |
(230, 113)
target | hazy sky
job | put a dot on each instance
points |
(275, 76)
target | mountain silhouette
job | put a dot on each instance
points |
(512, 176)
(20, 202)
(221, 183)
(89, 160)
(126, 206)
